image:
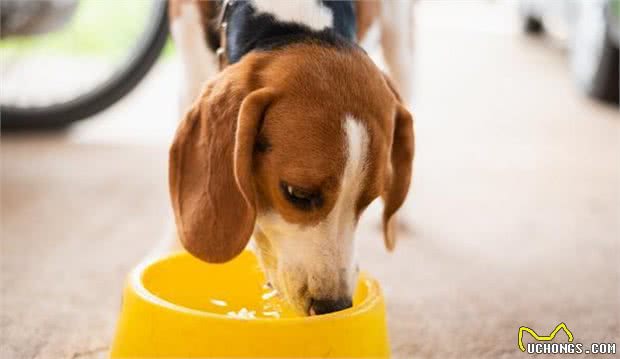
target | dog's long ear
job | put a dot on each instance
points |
(210, 171)
(399, 168)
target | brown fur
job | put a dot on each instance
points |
(212, 199)
(295, 101)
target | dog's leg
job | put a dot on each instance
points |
(396, 26)
(198, 63)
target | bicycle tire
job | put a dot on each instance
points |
(101, 97)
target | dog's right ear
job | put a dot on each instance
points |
(401, 164)
(210, 170)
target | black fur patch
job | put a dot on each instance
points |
(248, 30)
(344, 18)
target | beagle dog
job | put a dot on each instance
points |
(290, 141)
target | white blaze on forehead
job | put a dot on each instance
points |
(336, 242)
(357, 148)
(310, 13)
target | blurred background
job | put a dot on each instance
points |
(513, 217)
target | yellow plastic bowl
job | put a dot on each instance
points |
(180, 307)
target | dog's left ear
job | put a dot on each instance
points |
(399, 168)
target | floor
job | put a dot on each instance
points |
(514, 216)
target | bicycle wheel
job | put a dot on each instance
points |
(96, 95)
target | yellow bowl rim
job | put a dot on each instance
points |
(136, 284)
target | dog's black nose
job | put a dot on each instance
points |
(324, 306)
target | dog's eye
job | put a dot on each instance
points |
(301, 198)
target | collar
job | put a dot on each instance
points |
(242, 29)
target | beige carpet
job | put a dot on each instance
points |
(75, 218)
(514, 217)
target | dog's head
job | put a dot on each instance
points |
(291, 146)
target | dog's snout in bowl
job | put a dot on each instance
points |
(167, 313)
(325, 306)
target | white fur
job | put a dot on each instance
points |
(310, 13)
(321, 258)
(198, 63)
